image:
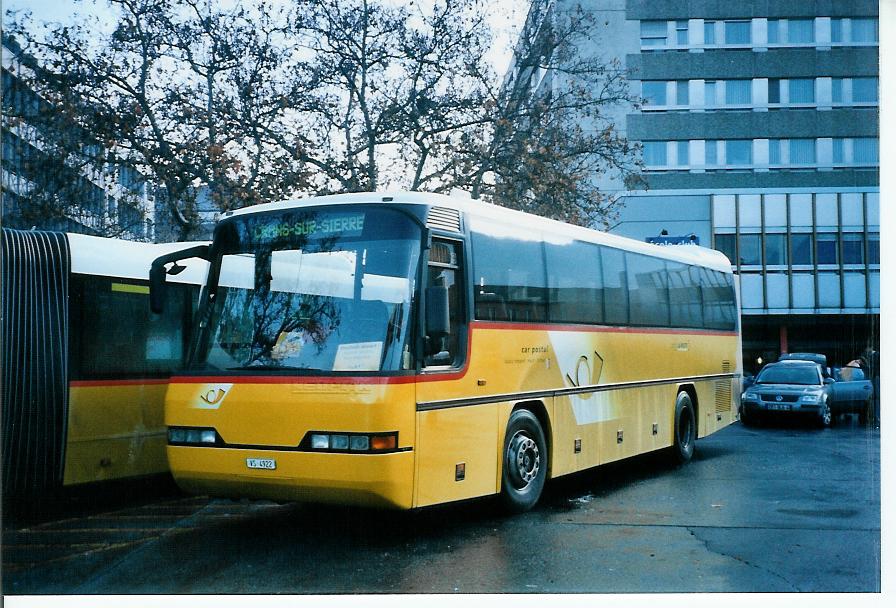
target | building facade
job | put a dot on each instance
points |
(44, 184)
(759, 127)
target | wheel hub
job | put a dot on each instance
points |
(524, 459)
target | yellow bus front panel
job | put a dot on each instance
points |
(269, 420)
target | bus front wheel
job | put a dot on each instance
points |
(685, 428)
(525, 462)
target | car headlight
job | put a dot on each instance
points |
(811, 398)
(750, 395)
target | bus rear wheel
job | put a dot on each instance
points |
(525, 462)
(685, 428)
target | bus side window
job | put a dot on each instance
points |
(444, 271)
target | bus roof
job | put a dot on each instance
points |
(129, 259)
(688, 254)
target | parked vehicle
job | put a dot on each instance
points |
(851, 393)
(790, 387)
(817, 358)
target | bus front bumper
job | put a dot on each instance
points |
(373, 480)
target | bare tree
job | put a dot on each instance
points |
(256, 104)
(180, 91)
(551, 132)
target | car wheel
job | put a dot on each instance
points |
(748, 419)
(825, 419)
(525, 463)
(685, 428)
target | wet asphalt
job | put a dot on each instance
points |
(781, 508)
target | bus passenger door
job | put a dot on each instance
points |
(455, 447)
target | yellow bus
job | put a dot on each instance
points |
(409, 349)
(84, 363)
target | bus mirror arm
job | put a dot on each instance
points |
(158, 274)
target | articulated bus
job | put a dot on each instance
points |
(408, 349)
(84, 362)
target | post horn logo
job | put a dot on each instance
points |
(213, 396)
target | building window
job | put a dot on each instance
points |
(774, 152)
(836, 30)
(655, 153)
(738, 92)
(801, 90)
(653, 92)
(837, 90)
(681, 33)
(864, 90)
(653, 33)
(709, 33)
(864, 30)
(726, 244)
(709, 93)
(839, 156)
(826, 245)
(750, 251)
(802, 151)
(853, 248)
(874, 248)
(774, 26)
(800, 31)
(801, 249)
(681, 93)
(864, 151)
(739, 152)
(682, 153)
(774, 90)
(737, 32)
(775, 250)
(712, 157)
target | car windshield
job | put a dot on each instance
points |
(802, 374)
(317, 290)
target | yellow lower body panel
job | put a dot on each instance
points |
(372, 480)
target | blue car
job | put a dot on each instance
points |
(792, 388)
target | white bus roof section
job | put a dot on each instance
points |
(502, 216)
(99, 256)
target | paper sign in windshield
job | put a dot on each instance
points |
(358, 357)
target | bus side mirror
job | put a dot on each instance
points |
(438, 322)
(158, 288)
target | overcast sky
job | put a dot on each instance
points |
(505, 16)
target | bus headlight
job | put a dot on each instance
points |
(192, 436)
(350, 442)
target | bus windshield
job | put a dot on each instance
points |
(317, 290)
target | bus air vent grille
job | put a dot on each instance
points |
(723, 390)
(442, 218)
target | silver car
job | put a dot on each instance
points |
(795, 388)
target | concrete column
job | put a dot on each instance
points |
(760, 154)
(760, 94)
(824, 153)
(823, 93)
(759, 34)
(695, 35)
(823, 33)
(695, 95)
(782, 335)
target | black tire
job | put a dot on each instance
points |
(866, 415)
(685, 429)
(748, 419)
(825, 417)
(525, 462)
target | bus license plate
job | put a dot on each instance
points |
(261, 463)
